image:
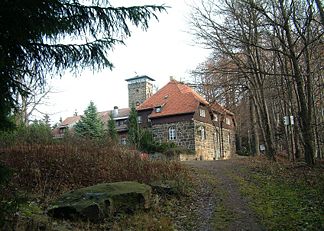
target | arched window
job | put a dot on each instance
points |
(172, 133)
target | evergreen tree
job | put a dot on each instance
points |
(47, 120)
(90, 125)
(112, 131)
(39, 37)
(134, 131)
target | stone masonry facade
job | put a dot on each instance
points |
(204, 143)
(228, 143)
(184, 133)
(204, 140)
(139, 92)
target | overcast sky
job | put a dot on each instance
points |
(166, 49)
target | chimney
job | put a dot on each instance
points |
(171, 78)
(115, 112)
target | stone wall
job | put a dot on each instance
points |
(228, 143)
(189, 135)
(139, 92)
(204, 141)
(184, 133)
(185, 157)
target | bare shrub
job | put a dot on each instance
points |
(49, 170)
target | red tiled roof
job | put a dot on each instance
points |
(174, 98)
(70, 120)
(220, 109)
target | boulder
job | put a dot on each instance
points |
(99, 201)
(165, 187)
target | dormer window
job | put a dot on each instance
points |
(215, 117)
(123, 140)
(228, 121)
(202, 112)
(158, 109)
(139, 119)
(62, 130)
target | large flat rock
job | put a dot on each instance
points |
(99, 201)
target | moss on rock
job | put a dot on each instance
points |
(99, 201)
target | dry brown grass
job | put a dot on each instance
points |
(49, 170)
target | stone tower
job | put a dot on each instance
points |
(139, 89)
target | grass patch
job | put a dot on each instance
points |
(222, 215)
(281, 199)
(144, 221)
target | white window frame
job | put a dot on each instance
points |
(202, 112)
(215, 117)
(203, 133)
(228, 121)
(139, 119)
(123, 140)
(172, 135)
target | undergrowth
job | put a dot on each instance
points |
(285, 197)
(44, 171)
(48, 170)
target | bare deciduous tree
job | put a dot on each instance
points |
(266, 51)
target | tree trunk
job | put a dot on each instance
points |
(255, 134)
(320, 9)
(305, 110)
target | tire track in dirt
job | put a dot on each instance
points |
(222, 206)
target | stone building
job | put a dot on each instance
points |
(176, 113)
(120, 116)
(139, 89)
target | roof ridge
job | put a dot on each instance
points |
(177, 84)
(216, 104)
(195, 94)
(189, 90)
(181, 99)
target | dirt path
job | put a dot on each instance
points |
(219, 204)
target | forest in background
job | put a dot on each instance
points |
(266, 67)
